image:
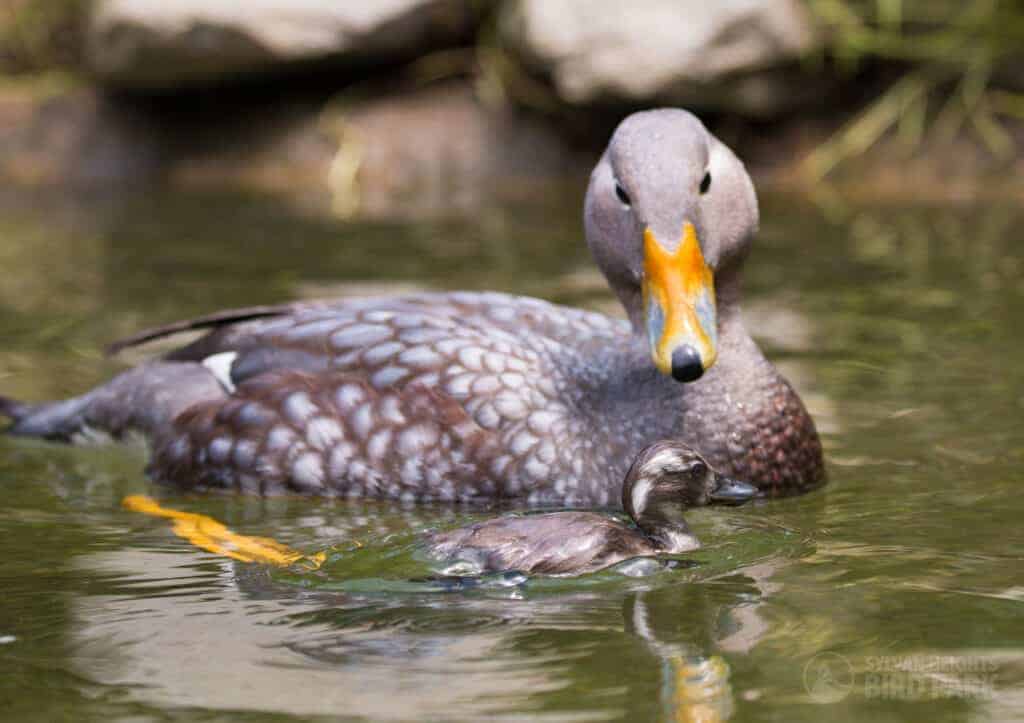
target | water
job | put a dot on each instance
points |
(894, 593)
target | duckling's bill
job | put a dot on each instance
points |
(730, 491)
(679, 306)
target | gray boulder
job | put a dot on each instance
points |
(734, 55)
(159, 44)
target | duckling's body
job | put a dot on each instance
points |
(553, 543)
(482, 395)
(666, 479)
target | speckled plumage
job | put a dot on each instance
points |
(431, 396)
(499, 411)
(456, 396)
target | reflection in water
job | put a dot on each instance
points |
(203, 642)
(347, 631)
(206, 533)
(181, 630)
(694, 687)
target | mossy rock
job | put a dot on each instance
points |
(38, 35)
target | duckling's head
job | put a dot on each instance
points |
(666, 479)
(669, 216)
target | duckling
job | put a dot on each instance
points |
(665, 479)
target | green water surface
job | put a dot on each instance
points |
(895, 593)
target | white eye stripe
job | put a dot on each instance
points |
(641, 490)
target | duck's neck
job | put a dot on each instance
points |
(672, 538)
(742, 415)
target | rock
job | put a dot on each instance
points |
(400, 152)
(731, 55)
(75, 138)
(425, 150)
(440, 150)
(162, 44)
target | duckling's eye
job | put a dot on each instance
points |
(698, 469)
(623, 196)
(705, 182)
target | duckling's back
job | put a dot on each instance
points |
(555, 543)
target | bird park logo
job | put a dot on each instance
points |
(830, 677)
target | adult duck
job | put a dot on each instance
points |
(456, 396)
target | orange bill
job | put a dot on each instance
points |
(679, 306)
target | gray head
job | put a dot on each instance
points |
(669, 477)
(669, 215)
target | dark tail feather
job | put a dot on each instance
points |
(50, 420)
(13, 409)
(144, 399)
(211, 321)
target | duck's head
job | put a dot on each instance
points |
(665, 480)
(669, 215)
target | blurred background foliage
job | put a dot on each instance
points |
(41, 35)
(914, 75)
(961, 65)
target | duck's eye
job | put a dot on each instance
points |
(698, 469)
(705, 183)
(623, 196)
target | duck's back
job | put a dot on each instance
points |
(402, 340)
(554, 543)
(443, 396)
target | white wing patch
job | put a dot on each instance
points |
(220, 366)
